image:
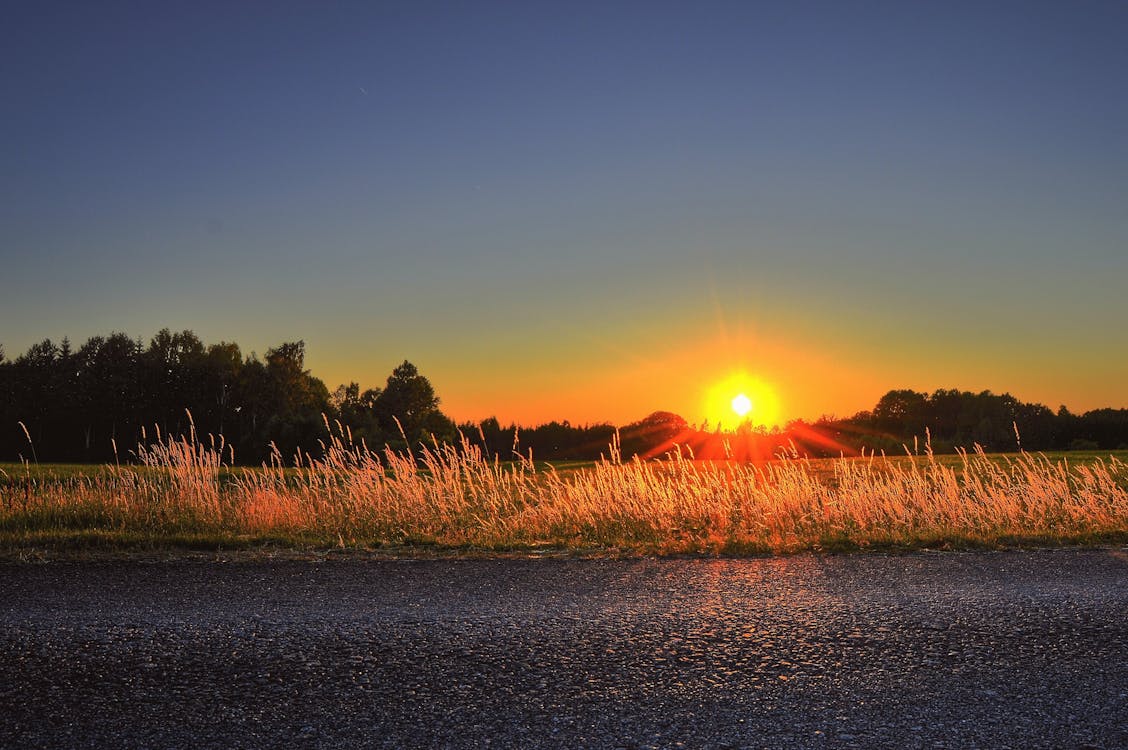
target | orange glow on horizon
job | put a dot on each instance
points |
(694, 369)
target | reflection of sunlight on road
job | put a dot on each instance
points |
(725, 623)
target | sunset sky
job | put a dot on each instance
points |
(583, 211)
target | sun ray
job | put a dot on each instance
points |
(742, 398)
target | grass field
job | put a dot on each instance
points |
(454, 499)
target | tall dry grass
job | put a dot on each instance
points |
(455, 495)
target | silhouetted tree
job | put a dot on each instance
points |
(903, 411)
(409, 399)
(108, 394)
(654, 434)
(297, 399)
(1107, 428)
(173, 381)
(251, 407)
(356, 410)
(76, 404)
(219, 374)
(497, 440)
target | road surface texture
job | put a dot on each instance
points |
(952, 650)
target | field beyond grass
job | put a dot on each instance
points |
(454, 500)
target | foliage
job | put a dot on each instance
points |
(115, 392)
(408, 408)
(995, 422)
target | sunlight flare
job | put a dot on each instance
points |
(742, 398)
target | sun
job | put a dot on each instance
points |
(742, 398)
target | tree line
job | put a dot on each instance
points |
(98, 402)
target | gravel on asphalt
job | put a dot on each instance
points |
(930, 650)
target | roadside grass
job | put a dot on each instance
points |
(456, 500)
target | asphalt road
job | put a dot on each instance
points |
(991, 650)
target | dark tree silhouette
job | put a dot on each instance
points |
(654, 434)
(407, 408)
(114, 390)
(298, 400)
(902, 410)
(356, 410)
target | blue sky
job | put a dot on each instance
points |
(583, 211)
